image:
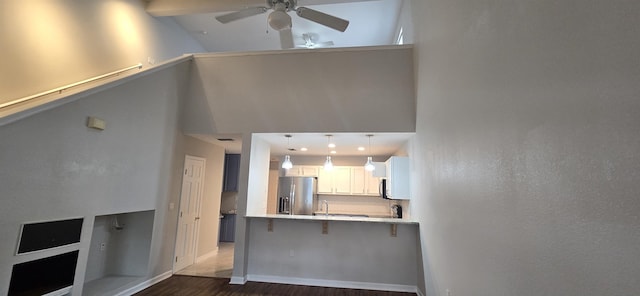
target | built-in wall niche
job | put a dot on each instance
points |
(119, 252)
(38, 236)
(47, 276)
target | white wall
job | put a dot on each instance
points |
(258, 177)
(45, 44)
(351, 252)
(360, 90)
(54, 167)
(527, 133)
(58, 167)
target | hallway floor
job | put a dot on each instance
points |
(219, 265)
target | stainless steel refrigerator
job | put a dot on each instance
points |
(297, 195)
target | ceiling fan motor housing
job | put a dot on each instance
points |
(289, 5)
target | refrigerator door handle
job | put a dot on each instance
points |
(292, 195)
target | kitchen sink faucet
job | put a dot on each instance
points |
(326, 207)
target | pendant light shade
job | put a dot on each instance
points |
(328, 165)
(368, 166)
(287, 164)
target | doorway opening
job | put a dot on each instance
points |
(219, 263)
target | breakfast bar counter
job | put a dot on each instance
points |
(336, 217)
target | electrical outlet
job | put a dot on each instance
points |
(103, 246)
(291, 254)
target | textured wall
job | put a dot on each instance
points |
(351, 252)
(46, 44)
(303, 91)
(527, 140)
(54, 167)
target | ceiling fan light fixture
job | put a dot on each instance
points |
(279, 20)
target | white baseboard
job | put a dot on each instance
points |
(332, 283)
(238, 280)
(207, 255)
(146, 284)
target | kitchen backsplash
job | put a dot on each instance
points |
(361, 205)
(228, 202)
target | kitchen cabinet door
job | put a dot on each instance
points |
(227, 228)
(335, 181)
(358, 181)
(372, 184)
(308, 171)
(231, 172)
(363, 182)
(342, 180)
(325, 181)
(302, 171)
(398, 186)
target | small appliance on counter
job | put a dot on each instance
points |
(297, 195)
(397, 211)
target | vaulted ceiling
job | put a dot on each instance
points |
(370, 23)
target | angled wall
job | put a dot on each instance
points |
(338, 90)
(48, 44)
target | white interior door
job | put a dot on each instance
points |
(189, 216)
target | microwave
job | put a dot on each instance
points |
(383, 189)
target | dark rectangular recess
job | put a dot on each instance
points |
(45, 235)
(44, 275)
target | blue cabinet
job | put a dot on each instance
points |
(228, 228)
(231, 172)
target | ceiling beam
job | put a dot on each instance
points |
(182, 7)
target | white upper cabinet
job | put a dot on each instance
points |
(302, 171)
(336, 181)
(363, 182)
(341, 180)
(398, 186)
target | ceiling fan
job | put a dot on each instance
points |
(280, 21)
(311, 41)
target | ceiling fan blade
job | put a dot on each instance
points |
(324, 44)
(240, 14)
(322, 18)
(286, 39)
(316, 45)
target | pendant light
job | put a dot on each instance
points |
(328, 165)
(369, 164)
(287, 164)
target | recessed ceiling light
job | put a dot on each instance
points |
(303, 149)
(333, 152)
(360, 148)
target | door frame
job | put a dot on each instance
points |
(196, 236)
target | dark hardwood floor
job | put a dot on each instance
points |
(180, 285)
